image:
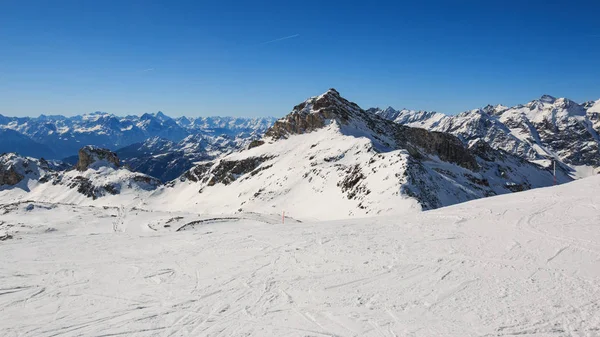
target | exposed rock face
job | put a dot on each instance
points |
(446, 146)
(224, 171)
(86, 187)
(89, 155)
(8, 176)
(255, 143)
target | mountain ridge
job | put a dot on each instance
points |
(541, 131)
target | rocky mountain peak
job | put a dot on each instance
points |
(94, 157)
(161, 116)
(314, 113)
(146, 117)
(9, 174)
(547, 99)
(488, 109)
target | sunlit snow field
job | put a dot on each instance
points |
(524, 264)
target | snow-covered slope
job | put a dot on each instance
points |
(540, 131)
(330, 159)
(522, 264)
(63, 136)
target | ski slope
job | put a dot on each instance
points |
(525, 264)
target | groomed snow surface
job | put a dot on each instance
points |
(525, 264)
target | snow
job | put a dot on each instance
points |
(518, 264)
(584, 171)
(595, 107)
(96, 128)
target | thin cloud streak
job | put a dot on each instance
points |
(280, 39)
(149, 69)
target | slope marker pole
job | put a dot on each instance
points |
(283, 217)
(554, 167)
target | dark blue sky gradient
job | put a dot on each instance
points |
(213, 57)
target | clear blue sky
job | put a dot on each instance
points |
(220, 58)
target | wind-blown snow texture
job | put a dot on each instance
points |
(540, 131)
(521, 264)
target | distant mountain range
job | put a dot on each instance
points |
(58, 137)
(154, 144)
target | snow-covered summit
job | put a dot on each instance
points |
(93, 157)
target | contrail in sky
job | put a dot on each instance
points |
(281, 39)
(149, 69)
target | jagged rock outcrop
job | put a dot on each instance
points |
(255, 143)
(92, 190)
(224, 171)
(313, 114)
(89, 155)
(15, 168)
(9, 176)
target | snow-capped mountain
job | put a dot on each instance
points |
(58, 137)
(540, 131)
(97, 174)
(329, 158)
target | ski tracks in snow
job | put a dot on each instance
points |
(492, 268)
